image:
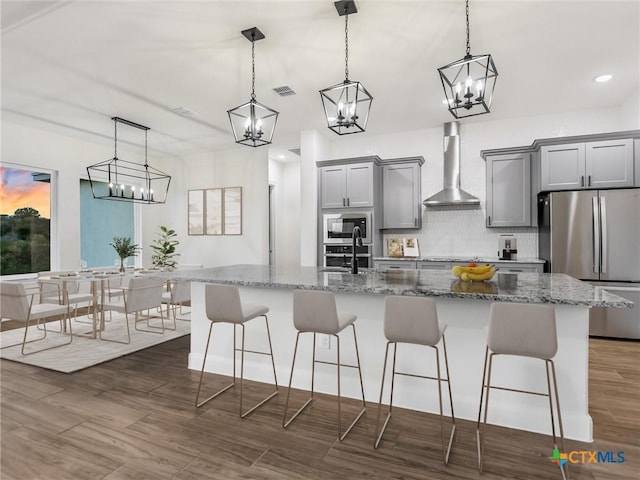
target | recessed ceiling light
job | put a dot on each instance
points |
(603, 78)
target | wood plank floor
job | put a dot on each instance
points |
(134, 418)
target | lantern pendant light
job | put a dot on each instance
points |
(253, 123)
(125, 181)
(469, 82)
(347, 104)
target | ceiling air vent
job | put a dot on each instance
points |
(284, 91)
(295, 151)
(183, 111)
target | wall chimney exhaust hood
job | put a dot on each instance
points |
(451, 193)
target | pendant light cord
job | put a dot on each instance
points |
(115, 139)
(346, 45)
(253, 66)
(468, 42)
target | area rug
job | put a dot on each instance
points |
(85, 352)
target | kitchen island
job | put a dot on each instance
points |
(464, 307)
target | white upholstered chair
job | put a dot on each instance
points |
(177, 296)
(16, 304)
(223, 305)
(316, 312)
(141, 294)
(414, 320)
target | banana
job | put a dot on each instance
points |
(479, 269)
(478, 277)
(457, 271)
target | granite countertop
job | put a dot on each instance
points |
(551, 288)
(458, 258)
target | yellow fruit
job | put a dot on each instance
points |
(479, 269)
(457, 271)
(478, 277)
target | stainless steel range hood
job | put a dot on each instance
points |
(451, 193)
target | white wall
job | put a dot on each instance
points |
(238, 167)
(314, 146)
(285, 176)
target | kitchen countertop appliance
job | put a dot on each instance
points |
(594, 235)
(507, 247)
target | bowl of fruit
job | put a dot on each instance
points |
(472, 272)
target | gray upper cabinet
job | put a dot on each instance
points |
(347, 186)
(603, 164)
(562, 166)
(401, 206)
(508, 190)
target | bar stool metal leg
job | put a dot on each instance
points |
(338, 364)
(446, 447)
(481, 429)
(275, 378)
(204, 360)
(242, 351)
(379, 433)
(445, 451)
(285, 422)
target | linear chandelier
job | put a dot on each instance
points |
(121, 180)
(253, 123)
(469, 82)
(347, 104)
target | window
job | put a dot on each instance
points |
(25, 219)
(100, 221)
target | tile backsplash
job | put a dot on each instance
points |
(461, 231)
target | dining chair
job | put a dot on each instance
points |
(178, 294)
(141, 294)
(16, 305)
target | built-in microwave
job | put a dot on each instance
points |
(338, 227)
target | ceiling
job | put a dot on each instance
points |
(69, 66)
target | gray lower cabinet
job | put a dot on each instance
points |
(508, 190)
(504, 267)
(394, 264)
(434, 265)
(602, 164)
(401, 207)
(519, 267)
(347, 186)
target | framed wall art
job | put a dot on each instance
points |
(213, 211)
(232, 203)
(195, 214)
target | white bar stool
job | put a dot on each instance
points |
(315, 312)
(524, 330)
(222, 304)
(414, 320)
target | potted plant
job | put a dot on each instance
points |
(164, 248)
(125, 248)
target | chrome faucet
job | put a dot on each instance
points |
(356, 237)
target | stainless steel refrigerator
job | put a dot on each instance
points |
(594, 235)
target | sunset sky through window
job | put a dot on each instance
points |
(19, 190)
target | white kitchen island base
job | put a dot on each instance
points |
(466, 319)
